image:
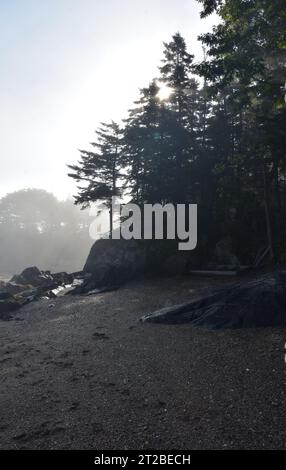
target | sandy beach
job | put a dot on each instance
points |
(81, 372)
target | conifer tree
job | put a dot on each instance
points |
(247, 63)
(148, 142)
(175, 73)
(100, 170)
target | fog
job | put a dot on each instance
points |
(67, 65)
(36, 229)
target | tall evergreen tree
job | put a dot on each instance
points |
(175, 73)
(100, 171)
(148, 148)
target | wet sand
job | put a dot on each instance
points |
(84, 373)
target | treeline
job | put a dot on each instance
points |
(211, 133)
(38, 229)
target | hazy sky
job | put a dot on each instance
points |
(65, 66)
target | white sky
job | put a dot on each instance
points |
(67, 65)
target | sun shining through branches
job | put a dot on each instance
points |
(164, 92)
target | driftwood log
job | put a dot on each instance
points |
(256, 303)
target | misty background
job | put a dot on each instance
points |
(37, 228)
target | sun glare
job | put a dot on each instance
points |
(164, 92)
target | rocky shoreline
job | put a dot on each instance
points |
(33, 284)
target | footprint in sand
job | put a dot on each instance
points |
(100, 336)
(85, 352)
(74, 406)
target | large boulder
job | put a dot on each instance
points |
(43, 280)
(34, 277)
(28, 276)
(112, 262)
(256, 303)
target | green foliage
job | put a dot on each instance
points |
(100, 170)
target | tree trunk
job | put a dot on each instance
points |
(110, 220)
(267, 215)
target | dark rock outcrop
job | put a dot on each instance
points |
(256, 303)
(63, 278)
(34, 277)
(32, 284)
(13, 288)
(113, 262)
